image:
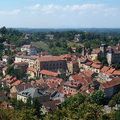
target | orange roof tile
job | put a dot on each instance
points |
(88, 73)
(105, 69)
(18, 82)
(50, 58)
(112, 83)
(116, 72)
(110, 71)
(49, 73)
(97, 66)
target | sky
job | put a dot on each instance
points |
(60, 13)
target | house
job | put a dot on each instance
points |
(15, 89)
(87, 65)
(71, 87)
(110, 71)
(116, 73)
(81, 60)
(56, 95)
(11, 81)
(54, 83)
(31, 60)
(96, 67)
(94, 54)
(31, 50)
(111, 87)
(73, 66)
(47, 73)
(104, 69)
(113, 54)
(32, 93)
(85, 78)
(52, 63)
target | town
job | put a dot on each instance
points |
(29, 74)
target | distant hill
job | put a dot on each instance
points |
(97, 30)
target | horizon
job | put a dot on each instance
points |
(53, 14)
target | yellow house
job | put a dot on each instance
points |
(95, 53)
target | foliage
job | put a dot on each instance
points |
(115, 100)
(98, 97)
(17, 72)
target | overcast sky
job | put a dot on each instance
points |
(60, 13)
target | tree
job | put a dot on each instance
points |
(115, 100)
(74, 100)
(98, 97)
(3, 30)
(37, 106)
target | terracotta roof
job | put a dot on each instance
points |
(73, 84)
(105, 69)
(53, 82)
(66, 56)
(40, 82)
(50, 58)
(110, 71)
(97, 66)
(88, 63)
(116, 72)
(49, 73)
(112, 83)
(16, 83)
(22, 87)
(88, 73)
(77, 77)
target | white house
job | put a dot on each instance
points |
(31, 50)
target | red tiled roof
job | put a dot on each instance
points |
(110, 71)
(88, 73)
(116, 72)
(49, 73)
(83, 78)
(66, 56)
(97, 66)
(18, 82)
(77, 77)
(105, 69)
(50, 58)
(72, 83)
(89, 63)
(112, 83)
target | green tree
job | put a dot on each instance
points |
(37, 107)
(98, 97)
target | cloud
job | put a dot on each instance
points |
(78, 8)
(12, 12)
